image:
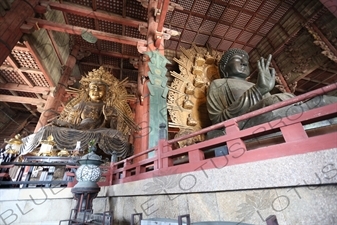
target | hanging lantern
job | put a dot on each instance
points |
(88, 36)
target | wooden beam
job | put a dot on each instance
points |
(24, 88)
(55, 48)
(24, 105)
(307, 72)
(110, 53)
(21, 48)
(48, 25)
(291, 36)
(106, 66)
(98, 42)
(22, 69)
(315, 81)
(97, 14)
(19, 99)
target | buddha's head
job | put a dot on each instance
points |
(234, 63)
(97, 91)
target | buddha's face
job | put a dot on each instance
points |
(97, 91)
(238, 66)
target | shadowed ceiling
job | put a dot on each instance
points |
(300, 34)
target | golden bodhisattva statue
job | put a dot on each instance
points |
(100, 112)
(101, 103)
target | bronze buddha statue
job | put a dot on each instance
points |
(232, 95)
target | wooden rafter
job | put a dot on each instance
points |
(95, 14)
(109, 53)
(98, 42)
(20, 47)
(291, 36)
(25, 105)
(55, 48)
(22, 69)
(107, 66)
(40, 23)
(5, 85)
(122, 47)
(24, 88)
(316, 81)
(19, 99)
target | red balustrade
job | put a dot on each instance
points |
(287, 136)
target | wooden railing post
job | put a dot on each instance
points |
(235, 146)
(195, 156)
(124, 173)
(163, 146)
(294, 132)
(111, 177)
(159, 151)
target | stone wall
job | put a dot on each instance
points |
(299, 205)
(298, 189)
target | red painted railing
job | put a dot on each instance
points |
(288, 133)
(281, 137)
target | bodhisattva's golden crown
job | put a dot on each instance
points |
(98, 75)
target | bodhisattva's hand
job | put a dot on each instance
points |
(108, 112)
(266, 77)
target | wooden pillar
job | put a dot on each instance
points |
(151, 111)
(142, 112)
(10, 32)
(54, 101)
(156, 71)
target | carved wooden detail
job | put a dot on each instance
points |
(300, 58)
(186, 100)
(327, 51)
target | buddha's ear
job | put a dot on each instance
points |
(224, 74)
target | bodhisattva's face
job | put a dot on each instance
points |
(97, 91)
(238, 66)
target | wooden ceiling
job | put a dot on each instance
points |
(300, 34)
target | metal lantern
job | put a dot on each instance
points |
(89, 172)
